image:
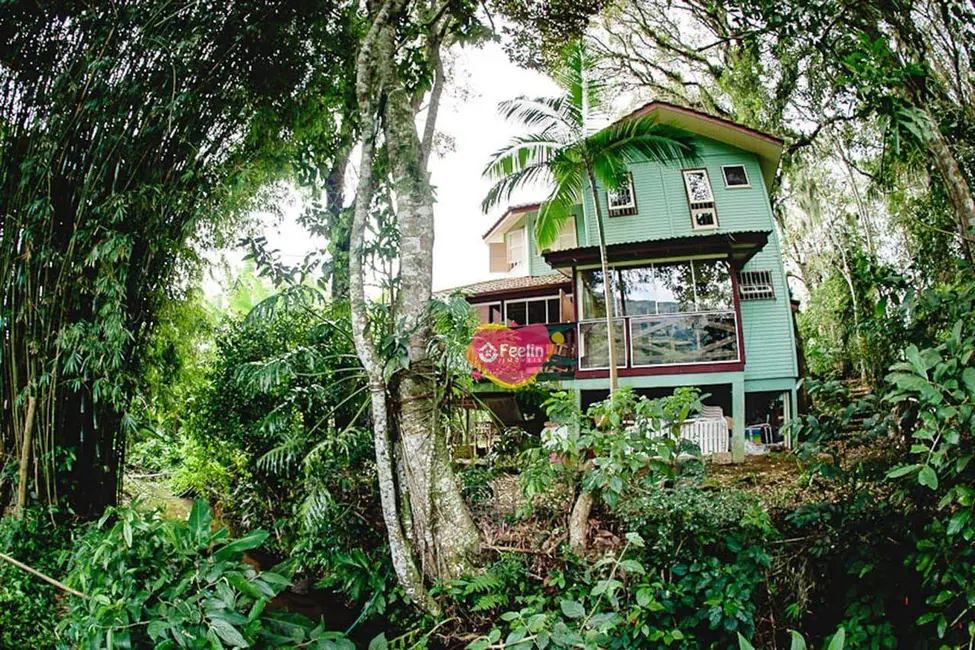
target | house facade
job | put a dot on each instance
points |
(696, 278)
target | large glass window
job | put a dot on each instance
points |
(593, 347)
(712, 285)
(677, 312)
(533, 310)
(594, 294)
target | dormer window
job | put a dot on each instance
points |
(735, 176)
(700, 199)
(622, 200)
(515, 242)
(566, 238)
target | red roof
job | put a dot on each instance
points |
(504, 285)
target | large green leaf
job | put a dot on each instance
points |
(234, 548)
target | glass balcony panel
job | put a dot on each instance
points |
(594, 350)
(691, 338)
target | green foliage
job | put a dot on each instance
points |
(154, 582)
(619, 442)
(798, 643)
(30, 608)
(131, 136)
(934, 389)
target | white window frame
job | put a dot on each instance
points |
(704, 205)
(744, 170)
(631, 205)
(508, 240)
(548, 317)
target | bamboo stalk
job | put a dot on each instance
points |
(45, 578)
(25, 456)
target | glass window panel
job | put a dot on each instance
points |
(713, 281)
(594, 295)
(536, 312)
(495, 314)
(691, 338)
(639, 291)
(554, 310)
(516, 313)
(673, 286)
(595, 351)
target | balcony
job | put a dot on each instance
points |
(661, 340)
(644, 343)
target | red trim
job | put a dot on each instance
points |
(734, 290)
(649, 106)
(731, 366)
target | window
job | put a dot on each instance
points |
(531, 311)
(735, 176)
(515, 241)
(700, 199)
(567, 237)
(622, 200)
(756, 285)
(594, 294)
(676, 313)
(488, 312)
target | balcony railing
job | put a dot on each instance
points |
(643, 342)
(661, 340)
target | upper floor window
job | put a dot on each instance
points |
(700, 199)
(622, 200)
(515, 242)
(735, 176)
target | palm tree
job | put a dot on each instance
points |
(563, 150)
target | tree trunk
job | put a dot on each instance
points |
(444, 534)
(401, 552)
(959, 192)
(608, 286)
(27, 441)
(579, 522)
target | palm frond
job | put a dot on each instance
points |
(557, 209)
(502, 190)
(546, 113)
(637, 140)
(585, 91)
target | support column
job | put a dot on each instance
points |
(793, 413)
(738, 415)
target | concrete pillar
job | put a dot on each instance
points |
(738, 415)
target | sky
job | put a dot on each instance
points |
(480, 79)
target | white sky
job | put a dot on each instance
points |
(481, 78)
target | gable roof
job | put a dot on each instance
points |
(512, 214)
(767, 148)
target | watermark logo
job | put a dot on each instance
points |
(510, 357)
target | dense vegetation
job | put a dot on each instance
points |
(288, 455)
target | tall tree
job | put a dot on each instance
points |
(565, 150)
(431, 532)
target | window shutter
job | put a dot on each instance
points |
(499, 258)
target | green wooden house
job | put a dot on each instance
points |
(696, 277)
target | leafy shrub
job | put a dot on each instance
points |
(153, 582)
(29, 607)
